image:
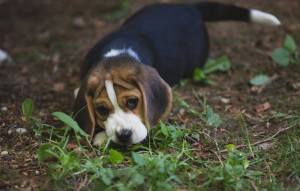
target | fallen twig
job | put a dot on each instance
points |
(255, 119)
(260, 142)
(261, 88)
(82, 183)
(253, 186)
(217, 145)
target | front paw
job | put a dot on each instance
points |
(99, 138)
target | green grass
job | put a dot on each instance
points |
(63, 46)
(6, 173)
(286, 54)
(178, 155)
(31, 56)
(168, 160)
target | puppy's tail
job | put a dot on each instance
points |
(220, 12)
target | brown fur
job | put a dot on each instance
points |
(130, 79)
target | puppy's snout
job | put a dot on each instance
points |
(124, 135)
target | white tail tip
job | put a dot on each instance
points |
(4, 57)
(260, 17)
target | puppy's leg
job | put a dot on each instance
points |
(99, 138)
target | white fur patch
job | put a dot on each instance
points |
(117, 52)
(120, 120)
(4, 57)
(99, 138)
(260, 17)
(75, 93)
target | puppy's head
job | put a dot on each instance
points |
(123, 98)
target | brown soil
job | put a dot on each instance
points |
(48, 39)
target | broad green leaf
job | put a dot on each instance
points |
(137, 179)
(245, 163)
(138, 159)
(290, 44)
(220, 64)
(164, 129)
(212, 118)
(43, 152)
(230, 147)
(115, 157)
(281, 56)
(195, 135)
(238, 170)
(27, 108)
(199, 75)
(228, 168)
(122, 187)
(259, 80)
(174, 132)
(107, 175)
(70, 122)
(101, 186)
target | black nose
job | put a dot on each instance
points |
(124, 135)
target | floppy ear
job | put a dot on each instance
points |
(83, 107)
(157, 95)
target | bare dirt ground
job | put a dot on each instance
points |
(47, 41)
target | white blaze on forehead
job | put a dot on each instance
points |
(112, 94)
(120, 120)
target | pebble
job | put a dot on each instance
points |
(28, 159)
(35, 156)
(43, 35)
(9, 131)
(98, 23)
(56, 58)
(43, 113)
(21, 130)
(4, 108)
(79, 22)
(181, 111)
(225, 100)
(265, 146)
(57, 87)
(4, 153)
(25, 174)
(14, 166)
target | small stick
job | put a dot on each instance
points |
(217, 145)
(82, 183)
(273, 78)
(253, 186)
(260, 142)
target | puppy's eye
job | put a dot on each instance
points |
(102, 110)
(131, 103)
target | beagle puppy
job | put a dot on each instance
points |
(126, 77)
